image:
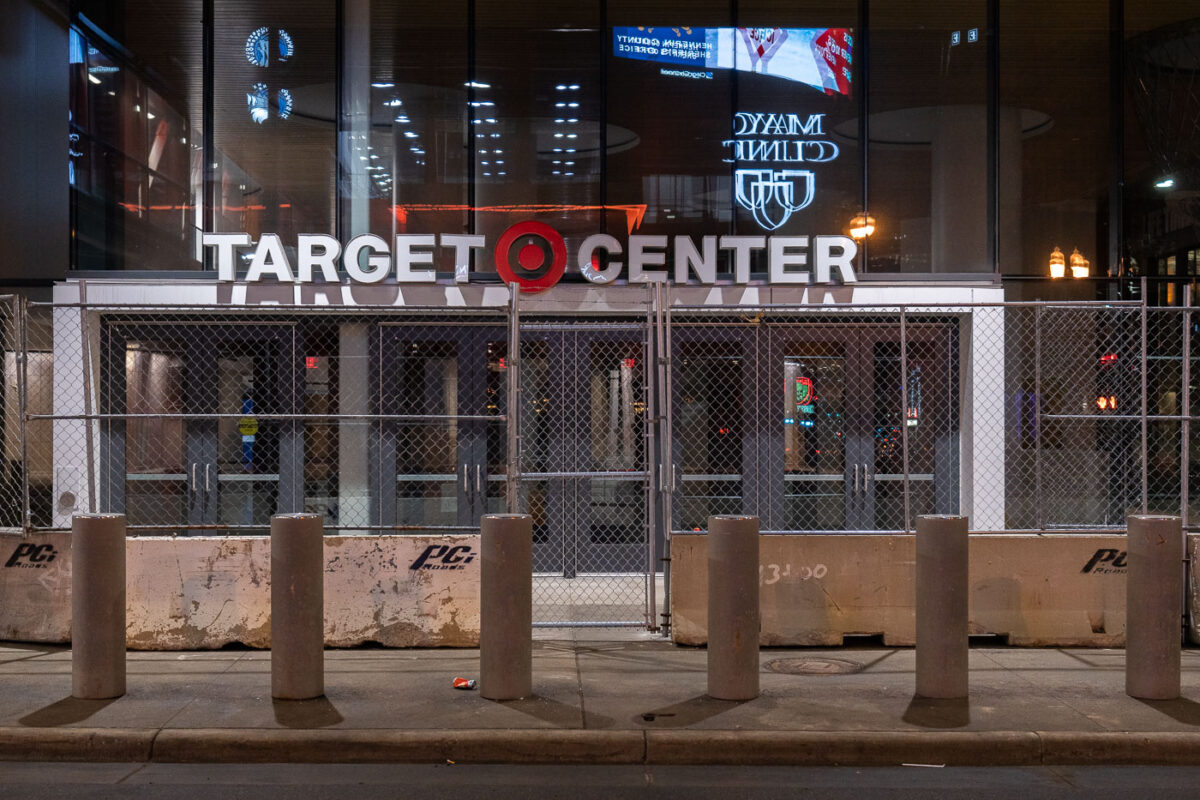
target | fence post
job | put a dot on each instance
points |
(1152, 607)
(506, 606)
(512, 422)
(733, 609)
(941, 583)
(97, 606)
(297, 607)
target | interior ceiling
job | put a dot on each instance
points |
(1053, 56)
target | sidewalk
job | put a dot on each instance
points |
(634, 701)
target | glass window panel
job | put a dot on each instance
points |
(667, 118)
(1054, 142)
(274, 87)
(404, 117)
(1161, 163)
(135, 123)
(798, 65)
(537, 142)
(928, 137)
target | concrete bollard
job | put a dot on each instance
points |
(941, 583)
(506, 606)
(733, 610)
(297, 607)
(1153, 604)
(97, 606)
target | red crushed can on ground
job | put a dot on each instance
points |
(464, 683)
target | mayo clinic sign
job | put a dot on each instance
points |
(534, 255)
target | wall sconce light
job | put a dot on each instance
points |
(1058, 264)
(1080, 266)
(862, 226)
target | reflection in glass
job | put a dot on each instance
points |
(814, 425)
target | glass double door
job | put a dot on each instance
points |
(441, 401)
(441, 446)
(185, 445)
(805, 424)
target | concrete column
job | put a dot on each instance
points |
(733, 612)
(97, 606)
(356, 116)
(297, 607)
(941, 583)
(1153, 604)
(506, 607)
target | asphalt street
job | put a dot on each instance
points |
(35, 781)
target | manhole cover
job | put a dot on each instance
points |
(814, 666)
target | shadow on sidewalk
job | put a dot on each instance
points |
(63, 712)
(1181, 709)
(687, 712)
(315, 713)
(932, 712)
(557, 714)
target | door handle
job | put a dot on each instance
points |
(207, 486)
(856, 485)
(466, 486)
(194, 487)
(866, 478)
(478, 479)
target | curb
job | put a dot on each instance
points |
(500, 746)
(682, 747)
(844, 748)
(77, 744)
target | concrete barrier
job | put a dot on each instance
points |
(506, 607)
(1153, 607)
(297, 607)
(1038, 590)
(733, 607)
(941, 585)
(97, 606)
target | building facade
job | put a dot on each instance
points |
(620, 266)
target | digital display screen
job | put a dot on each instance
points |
(818, 57)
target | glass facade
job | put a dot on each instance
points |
(994, 132)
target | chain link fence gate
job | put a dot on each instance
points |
(587, 454)
(192, 420)
(632, 425)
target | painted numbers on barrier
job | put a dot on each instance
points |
(769, 574)
(443, 556)
(32, 556)
(1106, 562)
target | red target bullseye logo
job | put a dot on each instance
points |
(531, 254)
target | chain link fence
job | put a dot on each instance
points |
(628, 427)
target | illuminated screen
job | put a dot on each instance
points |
(818, 57)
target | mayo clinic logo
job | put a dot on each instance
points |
(772, 195)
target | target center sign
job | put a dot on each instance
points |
(535, 256)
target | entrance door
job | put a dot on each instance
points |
(584, 471)
(837, 427)
(198, 443)
(441, 442)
